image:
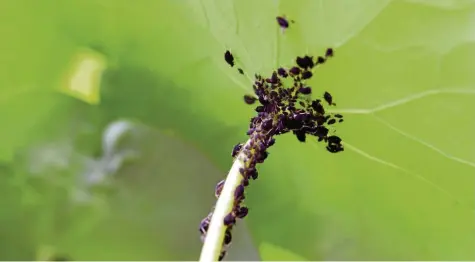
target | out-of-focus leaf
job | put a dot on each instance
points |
(402, 190)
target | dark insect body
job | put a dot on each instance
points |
(282, 21)
(328, 97)
(236, 149)
(305, 91)
(228, 237)
(239, 193)
(305, 62)
(306, 75)
(249, 99)
(229, 219)
(241, 212)
(320, 60)
(334, 144)
(218, 188)
(240, 71)
(229, 58)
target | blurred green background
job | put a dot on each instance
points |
(118, 117)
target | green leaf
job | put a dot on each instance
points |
(402, 189)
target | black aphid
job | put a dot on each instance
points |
(306, 74)
(305, 90)
(341, 120)
(252, 173)
(305, 62)
(328, 97)
(301, 136)
(229, 219)
(282, 21)
(249, 99)
(228, 238)
(219, 188)
(329, 52)
(229, 58)
(320, 60)
(334, 144)
(338, 115)
(282, 72)
(318, 107)
(239, 193)
(241, 212)
(321, 132)
(294, 71)
(331, 121)
(236, 149)
(240, 71)
(204, 225)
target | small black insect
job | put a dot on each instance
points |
(236, 150)
(320, 60)
(321, 132)
(305, 62)
(281, 71)
(329, 52)
(229, 219)
(328, 97)
(306, 74)
(305, 90)
(300, 135)
(252, 173)
(239, 193)
(241, 212)
(240, 71)
(271, 142)
(294, 70)
(259, 109)
(331, 121)
(334, 144)
(228, 237)
(317, 106)
(219, 188)
(267, 124)
(229, 58)
(341, 120)
(282, 21)
(249, 99)
(204, 225)
(338, 115)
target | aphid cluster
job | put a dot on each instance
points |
(281, 109)
(284, 109)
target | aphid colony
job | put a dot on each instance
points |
(292, 106)
(280, 109)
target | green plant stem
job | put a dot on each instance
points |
(215, 236)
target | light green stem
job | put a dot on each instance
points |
(216, 230)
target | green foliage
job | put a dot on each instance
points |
(402, 190)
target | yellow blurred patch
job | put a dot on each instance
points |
(83, 79)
